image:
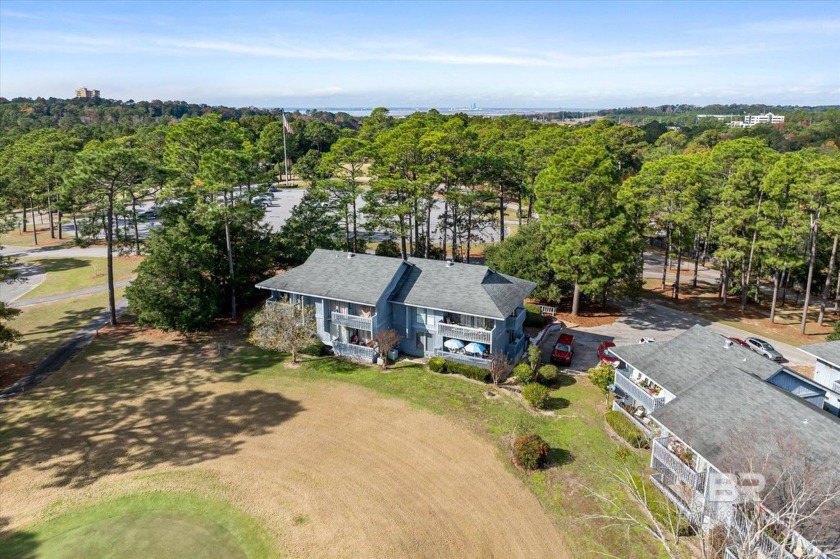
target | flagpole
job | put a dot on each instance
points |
(285, 157)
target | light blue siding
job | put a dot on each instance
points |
(810, 392)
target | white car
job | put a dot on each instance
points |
(764, 348)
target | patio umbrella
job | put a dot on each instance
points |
(473, 347)
(453, 344)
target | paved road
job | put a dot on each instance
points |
(29, 277)
(654, 262)
(657, 322)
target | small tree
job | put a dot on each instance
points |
(534, 359)
(499, 367)
(386, 340)
(548, 373)
(284, 327)
(602, 376)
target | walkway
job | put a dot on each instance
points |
(69, 294)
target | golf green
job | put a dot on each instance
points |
(160, 525)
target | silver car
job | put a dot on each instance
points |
(764, 348)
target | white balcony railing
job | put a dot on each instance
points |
(648, 430)
(353, 321)
(361, 353)
(674, 469)
(462, 358)
(639, 394)
(465, 333)
(836, 386)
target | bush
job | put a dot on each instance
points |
(522, 373)
(469, 371)
(625, 429)
(602, 376)
(536, 395)
(532, 308)
(530, 451)
(548, 373)
(437, 365)
(388, 247)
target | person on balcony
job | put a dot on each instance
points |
(354, 339)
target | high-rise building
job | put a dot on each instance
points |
(85, 93)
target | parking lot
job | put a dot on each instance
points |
(653, 321)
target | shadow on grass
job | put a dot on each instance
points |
(564, 380)
(146, 408)
(560, 457)
(556, 403)
(18, 545)
(60, 264)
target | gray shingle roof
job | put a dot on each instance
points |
(688, 359)
(462, 288)
(827, 351)
(364, 278)
(331, 274)
(726, 411)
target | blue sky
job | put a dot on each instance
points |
(495, 54)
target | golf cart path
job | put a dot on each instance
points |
(29, 276)
(69, 294)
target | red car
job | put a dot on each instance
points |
(604, 355)
(740, 342)
(563, 350)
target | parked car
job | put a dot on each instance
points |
(563, 350)
(148, 215)
(263, 199)
(604, 354)
(740, 342)
(764, 348)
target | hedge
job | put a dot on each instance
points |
(469, 371)
(625, 429)
(437, 364)
(441, 365)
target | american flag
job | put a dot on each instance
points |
(286, 126)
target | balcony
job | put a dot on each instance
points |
(641, 395)
(355, 352)
(465, 333)
(353, 321)
(673, 469)
(462, 358)
(836, 386)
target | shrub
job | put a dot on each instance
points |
(437, 365)
(548, 373)
(536, 395)
(625, 429)
(469, 371)
(531, 307)
(602, 376)
(388, 247)
(530, 451)
(522, 373)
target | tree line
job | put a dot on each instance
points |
(434, 186)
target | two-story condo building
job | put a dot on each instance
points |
(827, 371)
(462, 312)
(712, 408)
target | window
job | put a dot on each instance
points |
(425, 316)
(423, 342)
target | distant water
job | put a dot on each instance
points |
(493, 111)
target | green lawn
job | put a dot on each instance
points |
(72, 274)
(48, 325)
(577, 434)
(160, 525)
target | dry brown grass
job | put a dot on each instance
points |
(329, 469)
